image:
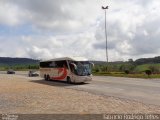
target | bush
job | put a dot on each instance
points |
(148, 72)
(126, 71)
(97, 70)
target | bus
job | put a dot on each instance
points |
(70, 69)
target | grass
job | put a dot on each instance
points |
(121, 74)
(141, 68)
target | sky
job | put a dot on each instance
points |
(45, 29)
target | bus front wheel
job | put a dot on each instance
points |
(69, 80)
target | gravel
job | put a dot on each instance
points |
(23, 95)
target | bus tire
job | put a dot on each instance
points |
(45, 77)
(69, 80)
(48, 78)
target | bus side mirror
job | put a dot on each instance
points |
(74, 65)
(92, 64)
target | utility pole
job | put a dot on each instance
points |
(105, 8)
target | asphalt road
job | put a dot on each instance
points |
(142, 90)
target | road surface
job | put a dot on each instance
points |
(142, 90)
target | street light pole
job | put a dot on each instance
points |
(105, 8)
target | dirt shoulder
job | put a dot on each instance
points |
(20, 95)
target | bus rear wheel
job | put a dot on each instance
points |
(48, 78)
(45, 77)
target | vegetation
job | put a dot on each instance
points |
(148, 72)
(18, 63)
(141, 68)
(19, 67)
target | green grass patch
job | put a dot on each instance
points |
(142, 68)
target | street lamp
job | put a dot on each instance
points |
(105, 8)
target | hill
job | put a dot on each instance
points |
(28, 61)
(17, 61)
(147, 60)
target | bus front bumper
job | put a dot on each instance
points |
(83, 79)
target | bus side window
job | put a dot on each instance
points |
(45, 64)
(64, 66)
(52, 64)
(61, 64)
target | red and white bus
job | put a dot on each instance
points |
(72, 70)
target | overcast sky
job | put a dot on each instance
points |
(44, 29)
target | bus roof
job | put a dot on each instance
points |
(67, 58)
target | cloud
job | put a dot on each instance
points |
(133, 31)
(58, 16)
(45, 47)
(38, 53)
(9, 14)
(76, 28)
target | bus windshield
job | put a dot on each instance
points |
(83, 68)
